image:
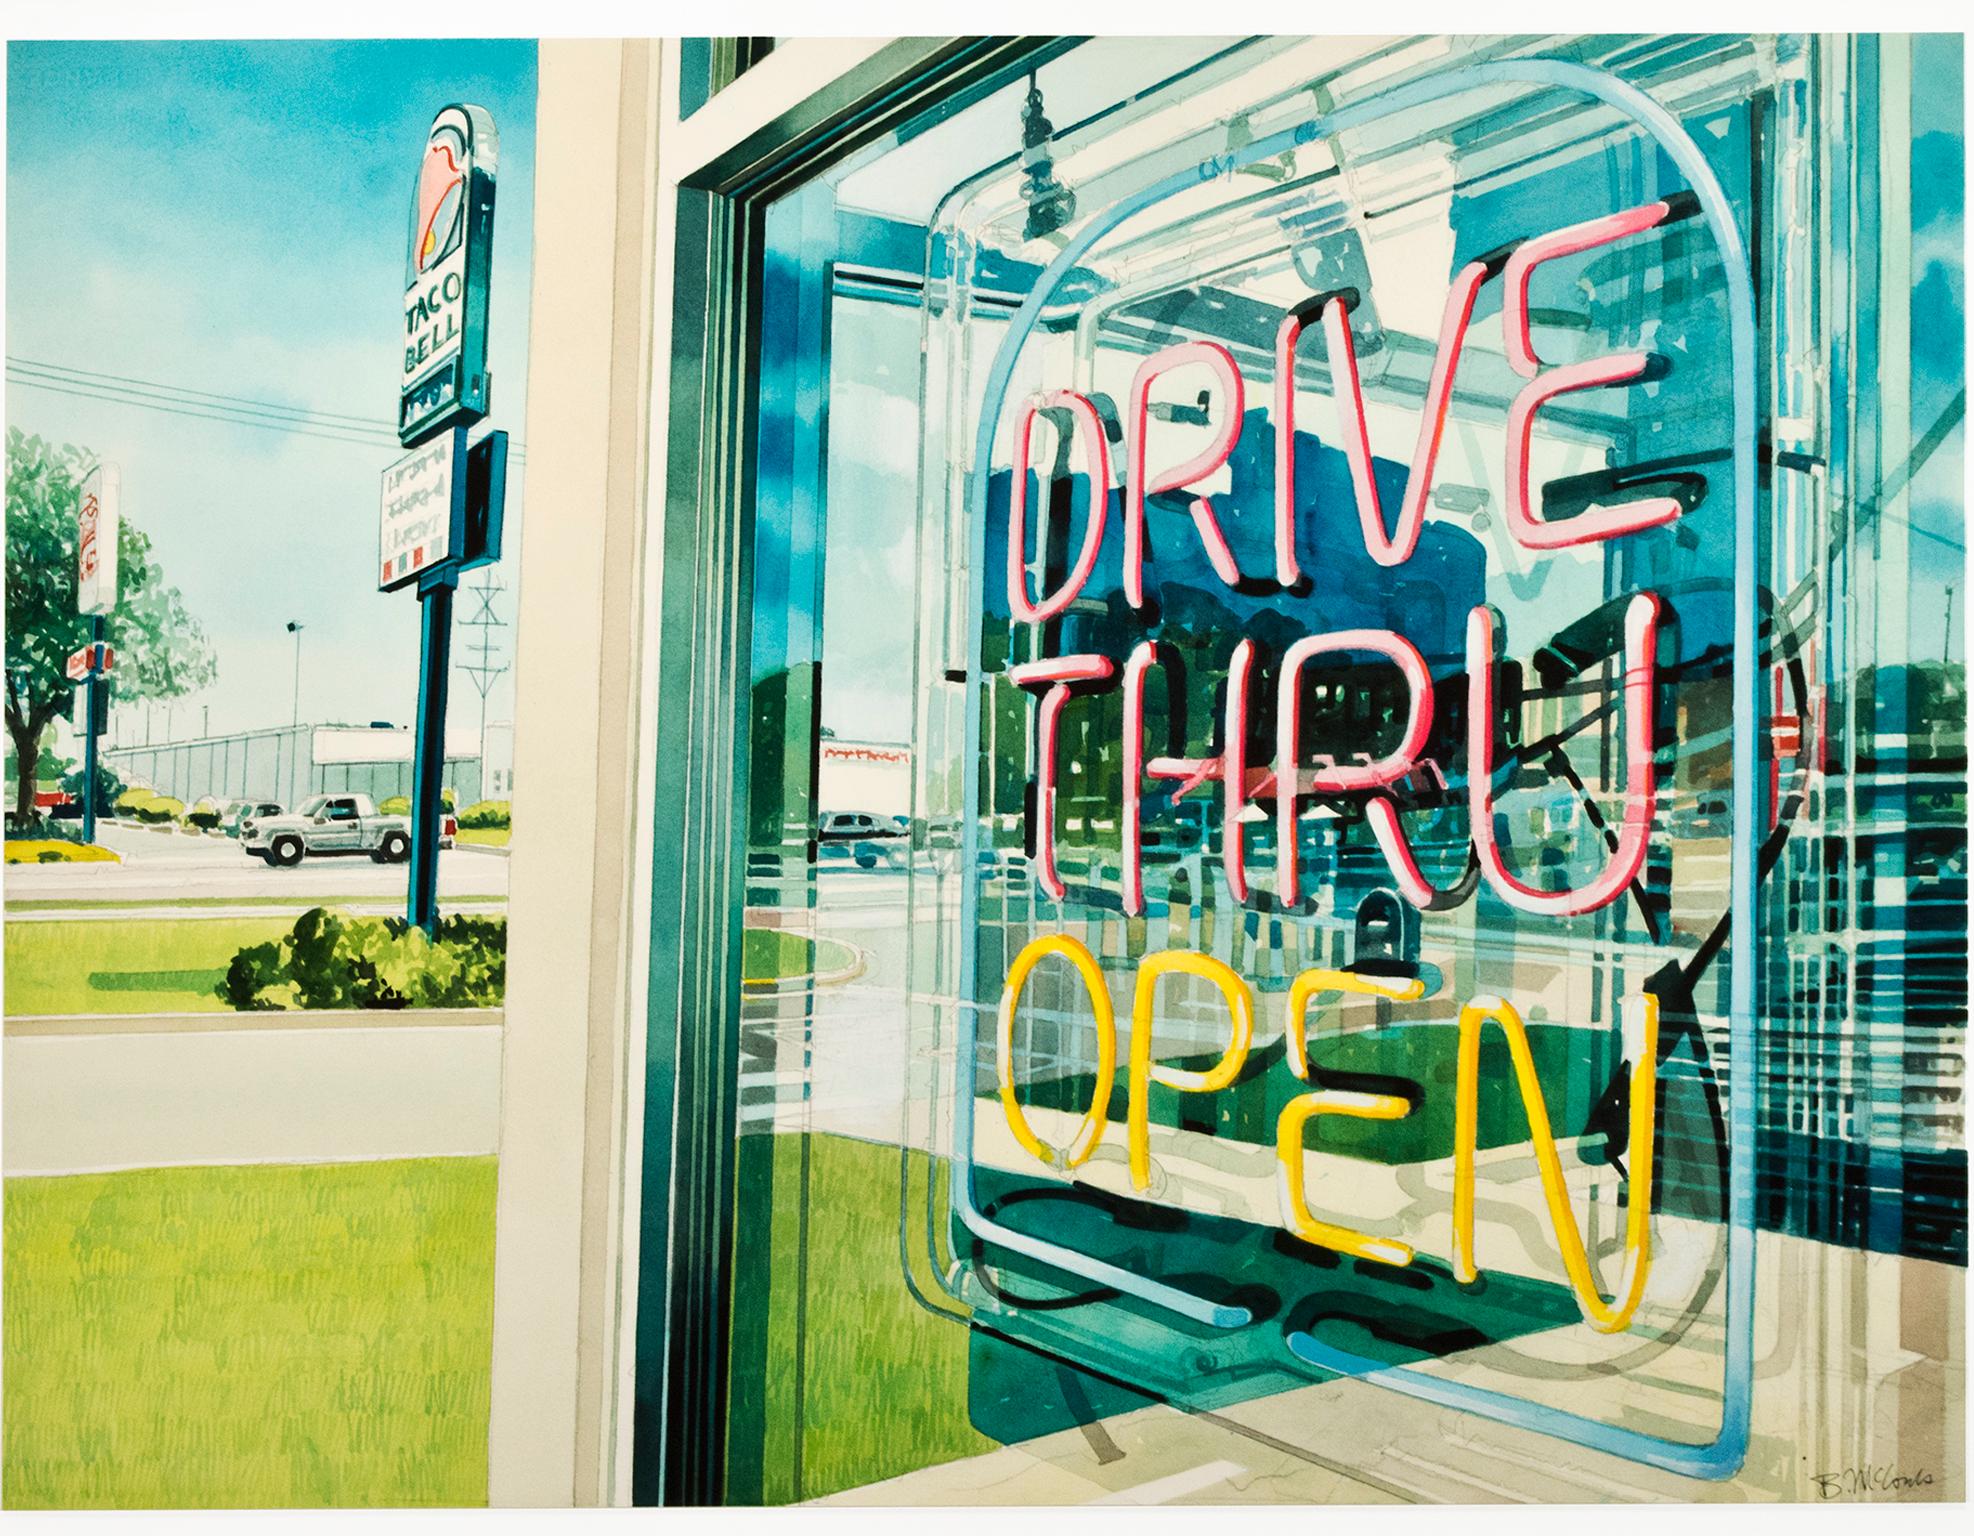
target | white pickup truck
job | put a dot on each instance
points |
(334, 824)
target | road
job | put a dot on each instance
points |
(167, 867)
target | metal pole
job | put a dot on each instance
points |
(89, 737)
(428, 771)
(295, 629)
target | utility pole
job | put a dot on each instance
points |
(481, 650)
(295, 629)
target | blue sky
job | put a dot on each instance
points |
(231, 218)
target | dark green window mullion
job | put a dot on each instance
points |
(691, 1075)
(764, 1446)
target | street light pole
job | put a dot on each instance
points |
(295, 629)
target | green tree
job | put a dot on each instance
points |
(161, 650)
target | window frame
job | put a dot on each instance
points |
(803, 108)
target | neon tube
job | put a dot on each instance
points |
(1233, 771)
(1096, 460)
(1217, 358)
(1397, 547)
(1570, 240)
(1144, 656)
(1641, 640)
(1291, 1170)
(1144, 1071)
(1058, 672)
(1091, 1132)
(1641, 1019)
(1595, 523)
(1288, 735)
(1547, 383)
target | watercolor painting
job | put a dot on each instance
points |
(1217, 770)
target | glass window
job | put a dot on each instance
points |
(1275, 524)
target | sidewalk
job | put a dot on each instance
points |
(99, 1092)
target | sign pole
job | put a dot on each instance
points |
(428, 768)
(89, 735)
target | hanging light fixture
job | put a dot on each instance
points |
(1051, 204)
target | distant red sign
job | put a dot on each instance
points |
(93, 660)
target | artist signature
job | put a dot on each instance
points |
(1869, 1478)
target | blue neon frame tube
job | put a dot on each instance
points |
(1723, 1455)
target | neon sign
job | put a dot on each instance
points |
(1264, 781)
(1240, 784)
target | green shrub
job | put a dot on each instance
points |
(487, 813)
(43, 829)
(400, 805)
(132, 798)
(159, 809)
(332, 959)
(205, 815)
(252, 973)
(109, 788)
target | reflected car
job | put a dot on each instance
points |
(1710, 815)
(867, 838)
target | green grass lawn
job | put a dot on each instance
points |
(490, 837)
(768, 954)
(249, 1337)
(145, 965)
(867, 1384)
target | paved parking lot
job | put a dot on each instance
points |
(167, 866)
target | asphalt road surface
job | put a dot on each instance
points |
(172, 866)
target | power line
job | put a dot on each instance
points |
(152, 405)
(207, 405)
(186, 389)
(136, 395)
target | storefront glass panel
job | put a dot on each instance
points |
(1297, 584)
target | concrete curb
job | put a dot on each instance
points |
(43, 1025)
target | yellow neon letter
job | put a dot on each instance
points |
(1144, 1072)
(1641, 1019)
(1309, 983)
(1092, 1130)
(1288, 1151)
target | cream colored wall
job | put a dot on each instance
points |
(567, 1093)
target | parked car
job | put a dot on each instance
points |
(240, 814)
(329, 825)
(860, 835)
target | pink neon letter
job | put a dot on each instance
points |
(1058, 672)
(1221, 361)
(1544, 385)
(1096, 463)
(1233, 771)
(1143, 658)
(1290, 778)
(1411, 881)
(1395, 548)
(1641, 641)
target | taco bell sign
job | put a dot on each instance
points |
(447, 262)
(96, 539)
